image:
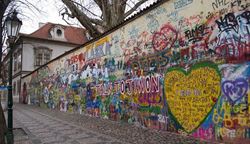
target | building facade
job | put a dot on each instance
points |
(36, 49)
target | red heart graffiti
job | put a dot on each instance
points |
(164, 39)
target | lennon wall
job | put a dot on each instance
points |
(182, 67)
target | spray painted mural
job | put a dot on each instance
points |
(182, 67)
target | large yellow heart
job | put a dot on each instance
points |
(191, 95)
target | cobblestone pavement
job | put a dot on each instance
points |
(43, 128)
(52, 127)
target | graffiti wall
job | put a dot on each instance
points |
(181, 67)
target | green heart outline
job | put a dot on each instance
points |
(186, 73)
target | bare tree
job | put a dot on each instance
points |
(4, 4)
(98, 16)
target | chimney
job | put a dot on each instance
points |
(41, 24)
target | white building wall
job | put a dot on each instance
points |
(15, 92)
(27, 57)
(28, 51)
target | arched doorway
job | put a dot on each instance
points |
(24, 93)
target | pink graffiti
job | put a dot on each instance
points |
(164, 39)
(233, 51)
(202, 133)
(76, 58)
(150, 98)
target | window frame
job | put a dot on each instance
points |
(45, 55)
(17, 60)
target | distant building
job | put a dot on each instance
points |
(34, 50)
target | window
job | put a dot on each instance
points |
(46, 57)
(42, 55)
(59, 32)
(18, 87)
(17, 61)
(14, 88)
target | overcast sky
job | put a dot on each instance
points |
(50, 13)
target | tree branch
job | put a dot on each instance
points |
(5, 3)
(78, 4)
(99, 3)
(96, 21)
(67, 13)
(82, 17)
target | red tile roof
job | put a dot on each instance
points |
(74, 35)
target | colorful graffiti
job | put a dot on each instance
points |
(182, 67)
(191, 96)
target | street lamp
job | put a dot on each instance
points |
(13, 25)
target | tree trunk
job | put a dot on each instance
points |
(3, 127)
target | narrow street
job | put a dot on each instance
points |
(44, 126)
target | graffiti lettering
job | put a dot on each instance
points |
(219, 3)
(228, 22)
(99, 51)
(181, 3)
(76, 58)
(148, 64)
(204, 133)
(148, 84)
(196, 34)
(231, 22)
